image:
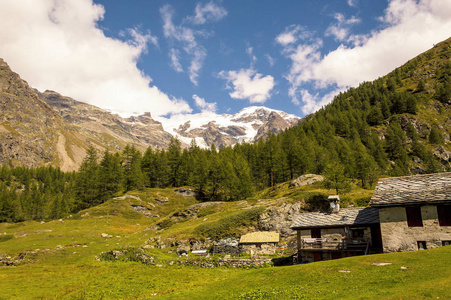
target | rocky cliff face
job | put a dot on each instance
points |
(108, 129)
(31, 132)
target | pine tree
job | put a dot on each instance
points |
(87, 187)
(131, 165)
(110, 175)
(335, 178)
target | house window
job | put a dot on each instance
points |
(444, 215)
(446, 243)
(316, 233)
(414, 216)
(421, 245)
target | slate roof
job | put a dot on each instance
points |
(260, 237)
(417, 189)
(345, 217)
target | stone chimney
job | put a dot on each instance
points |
(334, 201)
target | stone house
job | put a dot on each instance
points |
(337, 233)
(414, 211)
(260, 242)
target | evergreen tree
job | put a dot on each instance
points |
(131, 165)
(110, 175)
(174, 155)
(335, 178)
(87, 185)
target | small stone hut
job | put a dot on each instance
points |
(260, 242)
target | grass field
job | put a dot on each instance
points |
(59, 262)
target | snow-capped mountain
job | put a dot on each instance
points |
(249, 125)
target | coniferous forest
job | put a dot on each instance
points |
(381, 128)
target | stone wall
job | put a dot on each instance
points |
(260, 248)
(397, 236)
(234, 263)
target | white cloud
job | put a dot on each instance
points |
(270, 59)
(248, 84)
(174, 55)
(292, 34)
(204, 106)
(341, 29)
(57, 45)
(186, 36)
(353, 3)
(208, 12)
(411, 27)
(250, 53)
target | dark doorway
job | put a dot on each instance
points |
(317, 256)
(376, 237)
(336, 255)
(316, 233)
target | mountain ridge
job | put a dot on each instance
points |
(47, 128)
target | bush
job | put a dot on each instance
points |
(317, 202)
(4, 238)
(165, 224)
(229, 226)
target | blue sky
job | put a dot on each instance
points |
(185, 57)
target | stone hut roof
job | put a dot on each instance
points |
(417, 189)
(344, 217)
(260, 237)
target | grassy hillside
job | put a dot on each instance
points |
(56, 259)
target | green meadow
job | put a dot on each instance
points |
(57, 260)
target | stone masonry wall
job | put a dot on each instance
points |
(397, 236)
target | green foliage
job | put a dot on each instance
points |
(335, 178)
(166, 223)
(317, 202)
(7, 237)
(229, 226)
(436, 137)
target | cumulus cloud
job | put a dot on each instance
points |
(203, 105)
(57, 45)
(207, 12)
(248, 84)
(409, 28)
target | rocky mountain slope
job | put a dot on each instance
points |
(106, 128)
(31, 132)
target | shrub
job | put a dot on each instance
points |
(317, 202)
(165, 223)
(4, 238)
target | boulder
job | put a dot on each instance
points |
(306, 180)
(183, 250)
(279, 218)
